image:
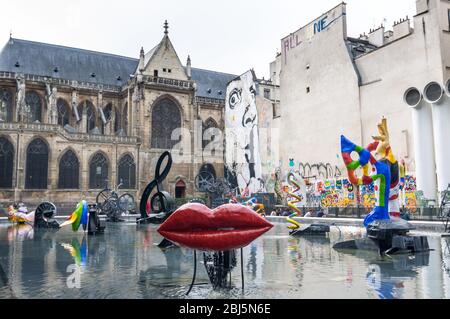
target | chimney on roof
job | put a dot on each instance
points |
(402, 28)
(376, 37)
(188, 67)
(422, 6)
(388, 36)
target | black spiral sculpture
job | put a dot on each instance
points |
(162, 203)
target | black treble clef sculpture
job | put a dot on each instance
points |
(162, 203)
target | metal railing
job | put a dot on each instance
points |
(168, 82)
(97, 86)
(163, 143)
(40, 128)
(63, 82)
(207, 100)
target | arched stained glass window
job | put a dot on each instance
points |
(37, 165)
(127, 172)
(33, 108)
(207, 125)
(166, 118)
(6, 163)
(6, 106)
(91, 120)
(80, 109)
(98, 171)
(69, 171)
(63, 112)
(107, 112)
(90, 116)
(125, 118)
(117, 121)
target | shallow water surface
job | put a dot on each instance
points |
(125, 263)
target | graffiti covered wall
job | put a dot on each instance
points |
(409, 195)
(341, 193)
(336, 193)
(320, 170)
(318, 190)
(242, 137)
(306, 33)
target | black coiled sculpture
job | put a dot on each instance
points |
(162, 203)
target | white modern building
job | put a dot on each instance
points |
(333, 84)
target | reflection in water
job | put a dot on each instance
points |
(251, 265)
(77, 251)
(161, 275)
(126, 263)
(219, 266)
(387, 275)
(445, 242)
(167, 271)
(446, 255)
(294, 251)
(35, 254)
(20, 232)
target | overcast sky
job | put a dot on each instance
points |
(229, 35)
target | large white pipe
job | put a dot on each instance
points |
(434, 94)
(422, 121)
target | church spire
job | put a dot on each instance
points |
(10, 37)
(141, 60)
(189, 67)
(166, 28)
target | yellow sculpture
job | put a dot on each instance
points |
(295, 225)
(384, 151)
(296, 198)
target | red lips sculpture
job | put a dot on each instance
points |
(225, 228)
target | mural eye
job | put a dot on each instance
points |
(235, 98)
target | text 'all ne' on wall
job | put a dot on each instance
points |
(293, 41)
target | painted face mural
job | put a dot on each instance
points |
(241, 122)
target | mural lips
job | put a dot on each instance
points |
(225, 228)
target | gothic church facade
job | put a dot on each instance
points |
(73, 121)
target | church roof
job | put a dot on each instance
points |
(72, 64)
(36, 58)
(211, 84)
(150, 54)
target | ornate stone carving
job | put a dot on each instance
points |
(52, 112)
(21, 90)
(75, 105)
(138, 94)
